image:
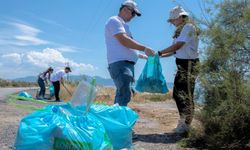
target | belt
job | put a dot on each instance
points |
(130, 62)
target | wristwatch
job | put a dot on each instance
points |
(159, 53)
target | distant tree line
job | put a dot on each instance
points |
(9, 83)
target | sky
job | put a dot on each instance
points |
(35, 34)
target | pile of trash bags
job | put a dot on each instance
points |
(151, 79)
(77, 125)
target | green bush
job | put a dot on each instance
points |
(225, 79)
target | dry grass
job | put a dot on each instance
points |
(106, 95)
(9, 83)
(66, 94)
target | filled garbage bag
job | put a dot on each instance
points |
(118, 122)
(24, 94)
(51, 90)
(151, 79)
(61, 127)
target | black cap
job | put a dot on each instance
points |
(133, 5)
(68, 68)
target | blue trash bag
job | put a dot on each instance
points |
(24, 94)
(151, 79)
(51, 91)
(61, 127)
(118, 122)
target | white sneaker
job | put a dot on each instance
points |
(181, 127)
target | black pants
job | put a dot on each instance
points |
(57, 89)
(42, 88)
(184, 84)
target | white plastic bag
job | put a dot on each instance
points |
(84, 94)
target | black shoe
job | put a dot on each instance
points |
(134, 136)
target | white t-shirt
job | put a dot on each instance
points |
(115, 50)
(190, 49)
(57, 76)
(41, 75)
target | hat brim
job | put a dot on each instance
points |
(137, 12)
(181, 14)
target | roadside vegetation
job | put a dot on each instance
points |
(225, 79)
(106, 94)
(8, 83)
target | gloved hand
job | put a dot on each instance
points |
(149, 51)
(142, 56)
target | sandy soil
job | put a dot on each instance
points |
(153, 128)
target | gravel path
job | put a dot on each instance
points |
(10, 116)
(153, 128)
(6, 91)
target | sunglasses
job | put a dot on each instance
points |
(133, 13)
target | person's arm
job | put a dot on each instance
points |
(171, 49)
(186, 34)
(128, 42)
(46, 78)
(141, 56)
(62, 81)
(166, 55)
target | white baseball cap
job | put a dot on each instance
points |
(176, 12)
(133, 5)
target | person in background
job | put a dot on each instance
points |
(43, 78)
(57, 79)
(185, 49)
(122, 51)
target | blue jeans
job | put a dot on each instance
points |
(42, 88)
(122, 73)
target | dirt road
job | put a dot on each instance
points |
(153, 128)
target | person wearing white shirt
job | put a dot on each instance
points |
(122, 51)
(185, 49)
(41, 80)
(56, 79)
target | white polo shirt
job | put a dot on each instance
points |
(190, 49)
(115, 50)
(57, 76)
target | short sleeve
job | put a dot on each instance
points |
(114, 26)
(187, 33)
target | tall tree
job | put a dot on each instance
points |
(225, 77)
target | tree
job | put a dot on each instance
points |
(225, 77)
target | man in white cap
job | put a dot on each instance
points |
(56, 79)
(122, 51)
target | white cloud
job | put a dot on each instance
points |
(26, 29)
(20, 34)
(33, 62)
(67, 49)
(13, 57)
(24, 40)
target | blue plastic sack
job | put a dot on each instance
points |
(51, 90)
(60, 127)
(24, 94)
(151, 79)
(118, 122)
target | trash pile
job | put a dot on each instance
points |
(151, 79)
(77, 125)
